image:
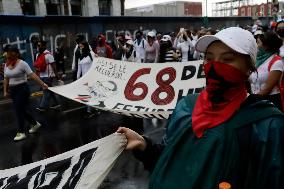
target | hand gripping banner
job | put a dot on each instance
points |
(136, 89)
(84, 167)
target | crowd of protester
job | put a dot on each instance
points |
(158, 47)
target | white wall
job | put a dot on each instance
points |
(12, 7)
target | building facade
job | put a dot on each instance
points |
(173, 8)
(62, 7)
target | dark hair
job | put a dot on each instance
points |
(270, 41)
(13, 49)
(79, 38)
(42, 42)
(282, 21)
(6, 48)
(139, 31)
(86, 50)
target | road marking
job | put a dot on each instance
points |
(73, 109)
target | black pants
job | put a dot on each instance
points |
(20, 95)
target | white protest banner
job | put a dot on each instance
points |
(136, 89)
(84, 167)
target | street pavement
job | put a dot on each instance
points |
(68, 128)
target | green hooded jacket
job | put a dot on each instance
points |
(247, 151)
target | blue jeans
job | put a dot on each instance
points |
(20, 95)
(48, 95)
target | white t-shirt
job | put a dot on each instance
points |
(259, 78)
(85, 60)
(18, 74)
(140, 49)
(281, 51)
(49, 59)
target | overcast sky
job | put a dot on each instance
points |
(137, 3)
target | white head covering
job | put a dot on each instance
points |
(151, 34)
(129, 42)
(238, 39)
(166, 38)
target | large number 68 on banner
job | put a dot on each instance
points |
(135, 89)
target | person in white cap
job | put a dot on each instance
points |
(167, 53)
(129, 53)
(222, 134)
(152, 48)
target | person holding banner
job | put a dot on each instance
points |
(223, 134)
(15, 82)
(84, 58)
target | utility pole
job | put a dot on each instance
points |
(206, 7)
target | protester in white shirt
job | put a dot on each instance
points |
(265, 81)
(140, 46)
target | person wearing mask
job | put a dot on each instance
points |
(270, 68)
(222, 134)
(129, 54)
(103, 49)
(140, 46)
(152, 48)
(47, 75)
(167, 53)
(16, 73)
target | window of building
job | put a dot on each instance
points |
(76, 7)
(104, 7)
(52, 7)
(28, 7)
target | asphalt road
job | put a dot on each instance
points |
(69, 128)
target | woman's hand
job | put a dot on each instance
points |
(134, 140)
(44, 86)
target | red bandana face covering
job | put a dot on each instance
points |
(224, 93)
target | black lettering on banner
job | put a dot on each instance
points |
(2, 180)
(136, 115)
(161, 116)
(23, 183)
(11, 182)
(57, 169)
(198, 90)
(180, 94)
(139, 108)
(79, 168)
(192, 70)
(116, 106)
(200, 73)
(126, 107)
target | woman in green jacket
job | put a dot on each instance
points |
(223, 134)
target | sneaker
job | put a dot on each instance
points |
(41, 109)
(35, 127)
(20, 136)
(55, 107)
